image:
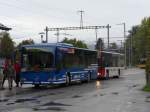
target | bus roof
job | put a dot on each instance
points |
(49, 44)
(109, 52)
(56, 45)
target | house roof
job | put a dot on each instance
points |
(2, 27)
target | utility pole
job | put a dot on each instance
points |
(57, 35)
(108, 34)
(46, 30)
(81, 17)
(125, 47)
(125, 52)
(131, 50)
(96, 34)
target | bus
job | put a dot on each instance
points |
(57, 63)
(110, 64)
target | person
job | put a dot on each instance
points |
(9, 73)
(4, 72)
(1, 77)
(17, 72)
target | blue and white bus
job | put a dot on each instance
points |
(57, 63)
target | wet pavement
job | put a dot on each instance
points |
(114, 95)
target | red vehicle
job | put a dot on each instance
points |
(110, 64)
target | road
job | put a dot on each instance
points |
(114, 95)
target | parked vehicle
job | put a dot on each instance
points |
(59, 63)
(110, 64)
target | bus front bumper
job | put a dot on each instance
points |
(43, 82)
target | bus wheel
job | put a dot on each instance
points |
(89, 76)
(36, 85)
(67, 80)
(118, 73)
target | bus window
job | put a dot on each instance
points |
(37, 59)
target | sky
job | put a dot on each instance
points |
(28, 18)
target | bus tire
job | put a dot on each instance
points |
(68, 79)
(89, 76)
(36, 85)
(118, 73)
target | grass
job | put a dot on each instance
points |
(146, 88)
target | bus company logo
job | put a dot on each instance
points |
(68, 50)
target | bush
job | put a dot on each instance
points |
(146, 88)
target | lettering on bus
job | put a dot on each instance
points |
(68, 50)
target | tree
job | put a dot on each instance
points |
(75, 42)
(133, 38)
(141, 44)
(99, 44)
(138, 35)
(26, 42)
(113, 46)
(7, 46)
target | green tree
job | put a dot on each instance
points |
(113, 46)
(141, 44)
(7, 46)
(133, 38)
(138, 34)
(26, 42)
(75, 42)
(99, 44)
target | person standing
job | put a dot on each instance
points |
(10, 74)
(1, 76)
(5, 72)
(17, 71)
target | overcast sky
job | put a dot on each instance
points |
(29, 17)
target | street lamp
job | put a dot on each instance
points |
(125, 58)
(41, 34)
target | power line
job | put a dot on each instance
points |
(72, 28)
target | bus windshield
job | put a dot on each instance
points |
(36, 59)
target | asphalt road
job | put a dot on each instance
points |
(114, 95)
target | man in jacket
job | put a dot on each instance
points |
(17, 71)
